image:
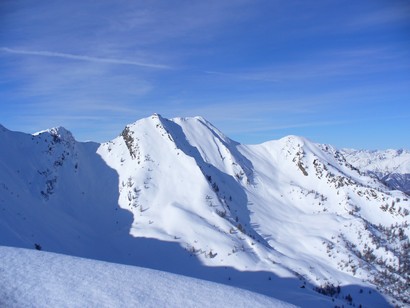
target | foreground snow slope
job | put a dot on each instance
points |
(31, 278)
(177, 195)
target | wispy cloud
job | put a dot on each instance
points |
(392, 14)
(246, 76)
(260, 68)
(325, 65)
(82, 57)
(265, 128)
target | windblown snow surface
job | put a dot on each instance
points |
(288, 218)
(30, 278)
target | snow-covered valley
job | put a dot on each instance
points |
(297, 221)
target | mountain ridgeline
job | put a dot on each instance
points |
(178, 195)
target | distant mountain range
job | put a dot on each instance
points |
(329, 226)
(392, 167)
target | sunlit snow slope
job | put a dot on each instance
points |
(178, 195)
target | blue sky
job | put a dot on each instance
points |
(333, 71)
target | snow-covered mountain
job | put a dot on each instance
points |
(392, 167)
(179, 196)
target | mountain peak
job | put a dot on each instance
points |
(295, 139)
(58, 133)
(156, 115)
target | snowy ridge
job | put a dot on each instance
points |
(178, 195)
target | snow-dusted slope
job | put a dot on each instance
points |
(392, 167)
(31, 278)
(178, 195)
